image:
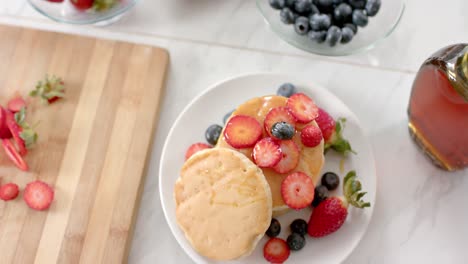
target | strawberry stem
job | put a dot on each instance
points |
(352, 191)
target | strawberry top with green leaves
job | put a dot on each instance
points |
(102, 5)
(332, 132)
(49, 90)
(27, 133)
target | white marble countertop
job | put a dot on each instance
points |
(421, 213)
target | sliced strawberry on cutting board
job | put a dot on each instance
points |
(275, 115)
(38, 195)
(9, 191)
(4, 130)
(302, 108)
(13, 155)
(276, 250)
(297, 190)
(331, 214)
(267, 153)
(290, 157)
(194, 148)
(15, 130)
(15, 104)
(242, 131)
(311, 136)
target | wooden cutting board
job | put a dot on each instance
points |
(93, 146)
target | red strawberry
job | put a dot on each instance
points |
(82, 4)
(38, 195)
(297, 190)
(275, 115)
(55, 1)
(4, 130)
(332, 133)
(290, 157)
(52, 88)
(15, 104)
(16, 130)
(302, 108)
(9, 192)
(267, 153)
(242, 131)
(331, 214)
(194, 148)
(13, 155)
(311, 136)
(276, 250)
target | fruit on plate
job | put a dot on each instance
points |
(194, 148)
(321, 194)
(223, 203)
(275, 228)
(38, 195)
(299, 226)
(282, 131)
(311, 136)
(52, 88)
(267, 153)
(297, 190)
(9, 191)
(242, 131)
(296, 241)
(286, 90)
(302, 108)
(269, 110)
(332, 132)
(330, 180)
(212, 134)
(331, 214)
(276, 250)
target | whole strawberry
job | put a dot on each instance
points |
(331, 214)
(332, 132)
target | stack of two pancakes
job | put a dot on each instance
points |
(225, 202)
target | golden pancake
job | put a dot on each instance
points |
(223, 203)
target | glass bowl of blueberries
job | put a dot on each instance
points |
(332, 27)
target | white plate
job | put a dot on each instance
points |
(211, 106)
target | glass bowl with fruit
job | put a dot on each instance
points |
(99, 12)
(332, 27)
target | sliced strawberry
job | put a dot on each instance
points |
(297, 190)
(290, 157)
(275, 115)
(311, 136)
(4, 130)
(242, 131)
(16, 132)
(38, 195)
(276, 250)
(302, 108)
(9, 192)
(13, 154)
(15, 104)
(267, 153)
(326, 124)
(194, 148)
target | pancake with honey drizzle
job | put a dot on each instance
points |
(223, 203)
(311, 159)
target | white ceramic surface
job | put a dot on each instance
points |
(211, 106)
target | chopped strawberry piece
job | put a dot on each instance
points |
(242, 131)
(38, 195)
(275, 115)
(194, 148)
(16, 131)
(13, 154)
(297, 190)
(4, 130)
(302, 108)
(276, 250)
(15, 104)
(326, 124)
(82, 4)
(311, 136)
(9, 192)
(290, 157)
(267, 153)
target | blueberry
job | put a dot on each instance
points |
(357, 3)
(337, 2)
(303, 6)
(314, 10)
(295, 241)
(290, 3)
(360, 18)
(277, 4)
(286, 90)
(212, 134)
(299, 226)
(351, 26)
(318, 36)
(321, 193)
(283, 131)
(347, 35)
(342, 13)
(330, 180)
(319, 22)
(301, 26)
(287, 16)
(226, 117)
(274, 229)
(333, 36)
(325, 2)
(372, 7)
